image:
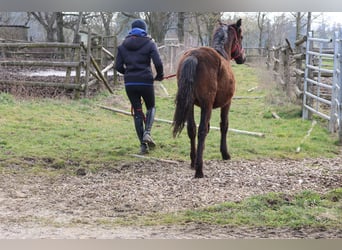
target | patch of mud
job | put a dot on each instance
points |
(73, 206)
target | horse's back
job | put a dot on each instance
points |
(215, 82)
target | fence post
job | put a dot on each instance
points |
(268, 62)
(88, 53)
(335, 89)
(78, 71)
(338, 81)
(299, 63)
(276, 62)
(286, 69)
(307, 114)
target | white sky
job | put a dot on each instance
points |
(329, 17)
(333, 17)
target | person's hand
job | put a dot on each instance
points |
(159, 78)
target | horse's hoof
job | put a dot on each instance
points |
(226, 157)
(199, 175)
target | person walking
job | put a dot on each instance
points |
(133, 60)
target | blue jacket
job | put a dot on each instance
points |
(134, 56)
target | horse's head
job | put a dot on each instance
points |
(228, 42)
(237, 52)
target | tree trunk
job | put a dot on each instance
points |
(158, 24)
(180, 26)
(198, 25)
(298, 25)
(59, 28)
(48, 21)
(261, 23)
(308, 27)
(77, 37)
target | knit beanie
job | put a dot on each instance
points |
(139, 23)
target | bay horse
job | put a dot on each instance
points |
(205, 79)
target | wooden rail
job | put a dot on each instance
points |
(18, 55)
(286, 63)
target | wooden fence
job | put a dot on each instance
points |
(26, 56)
(84, 61)
(255, 54)
(287, 65)
(311, 73)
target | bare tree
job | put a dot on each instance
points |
(180, 26)
(300, 23)
(279, 29)
(106, 20)
(308, 27)
(261, 26)
(158, 23)
(199, 31)
(77, 27)
(206, 23)
(48, 21)
(59, 27)
(304, 19)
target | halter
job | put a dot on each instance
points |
(220, 40)
(236, 46)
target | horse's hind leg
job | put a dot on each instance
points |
(202, 133)
(191, 128)
(224, 128)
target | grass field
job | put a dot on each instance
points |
(79, 130)
(64, 132)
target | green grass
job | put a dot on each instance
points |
(306, 209)
(273, 210)
(80, 131)
(70, 133)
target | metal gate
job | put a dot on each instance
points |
(323, 81)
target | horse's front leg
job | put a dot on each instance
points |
(191, 128)
(224, 128)
(202, 134)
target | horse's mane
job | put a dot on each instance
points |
(220, 38)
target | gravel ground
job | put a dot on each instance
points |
(73, 206)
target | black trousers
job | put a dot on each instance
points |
(136, 93)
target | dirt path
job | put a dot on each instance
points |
(67, 206)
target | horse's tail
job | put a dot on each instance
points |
(185, 97)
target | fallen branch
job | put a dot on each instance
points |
(274, 114)
(306, 136)
(170, 122)
(248, 97)
(251, 89)
(98, 70)
(108, 53)
(164, 89)
(153, 158)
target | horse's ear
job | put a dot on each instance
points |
(238, 23)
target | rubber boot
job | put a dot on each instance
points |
(139, 128)
(143, 149)
(147, 138)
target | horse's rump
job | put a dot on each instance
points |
(201, 73)
(214, 79)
